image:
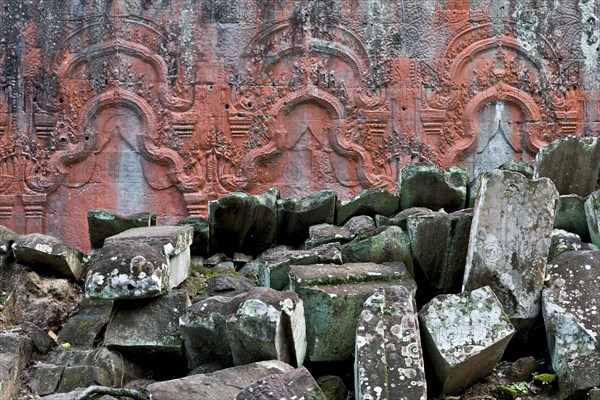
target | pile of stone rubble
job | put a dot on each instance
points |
(421, 295)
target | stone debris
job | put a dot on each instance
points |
(571, 310)
(220, 385)
(295, 384)
(140, 263)
(572, 163)
(84, 329)
(385, 244)
(7, 237)
(262, 324)
(42, 342)
(564, 241)
(15, 352)
(465, 336)
(273, 265)
(510, 240)
(592, 213)
(104, 223)
(64, 371)
(520, 166)
(401, 218)
(369, 202)
(228, 285)
(333, 387)
(268, 325)
(295, 216)
(426, 185)
(333, 297)
(321, 234)
(150, 327)
(243, 223)
(48, 255)
(389, 358)
(442, 265)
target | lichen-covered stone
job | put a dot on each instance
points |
(7, 237)
(571, 309)
(389, 358)
(243, 223)
(295, 216)
(15, 351)
(199, 246)
(140, 263)
(563, 241)
(439, 244)
(128, 271)
(273, 266)
(321, 234)
(333, 297)
(104, 223)
(572, 163)
(83, 330)
(220, 385)
(48, 255)
(570, 216)
(203, 329)
(510, 240)
(148, 327)
(426, 185)
(268, 325)
(389, 243)
(295, 384)
(465, 336)
(368, 202)
(44, 378)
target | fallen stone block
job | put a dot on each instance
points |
(67, 370)
(15, 352)
(439, 244)
(388, 360)
(592, 213)
(42, 342)
(148, 327)
(465, 336)
(563, 241)
(203, 329)
(401, 218)
(333, 387)
(379, 245)
(268, 325)
(571, 216)
(571, 310)
(84, 329)
(520, 166)
(104, 223)
(295, 384)
(228, 285)
(48, 255)
(572, 163)
(200, 243)
(368, 202)
(220, 385)
(426, 185)
(359, 224)
(295, 216)
(140, 263)
(333, 297)
(510, 240)
(243, 223)
(7, 237)
(273, 265)
(321, 234)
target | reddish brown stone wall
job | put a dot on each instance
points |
(163, 105)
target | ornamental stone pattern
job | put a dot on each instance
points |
(164, 105)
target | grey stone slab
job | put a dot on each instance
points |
(103, 223)
(83, 330)
(294, 384)
(388, 360)
(48, 255)
(510, 240)
(571, 310)
(369, 202)
(465, 336)
(15, 352)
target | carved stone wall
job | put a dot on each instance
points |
(163, 105)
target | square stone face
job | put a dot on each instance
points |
(466, 335)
